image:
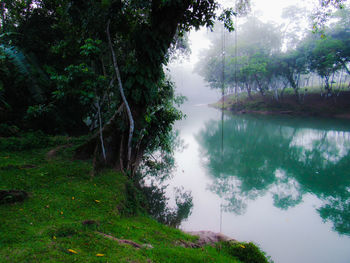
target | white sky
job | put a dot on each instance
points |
(266, 10)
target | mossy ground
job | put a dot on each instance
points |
(47, 227)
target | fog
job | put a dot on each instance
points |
(190, 84)
(290, 19)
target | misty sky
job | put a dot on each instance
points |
(266, 10)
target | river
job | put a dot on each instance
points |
(282, 182)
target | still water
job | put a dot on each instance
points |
(281, 182)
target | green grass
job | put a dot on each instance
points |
(48, 224)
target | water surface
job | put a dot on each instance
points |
(282, 182)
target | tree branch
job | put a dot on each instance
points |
(101, 132)
(131, 120)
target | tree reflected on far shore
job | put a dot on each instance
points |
(285, 157)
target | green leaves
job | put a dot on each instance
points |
(226, 18)
(79, 82)
(91, 48)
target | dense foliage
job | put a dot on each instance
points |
(67, 67)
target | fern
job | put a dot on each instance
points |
(17, 58)
(20, 61)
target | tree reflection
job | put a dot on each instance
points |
(285, 157)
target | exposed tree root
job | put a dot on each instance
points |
(125, 241)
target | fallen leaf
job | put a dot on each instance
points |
(72, 251)
(100, 255)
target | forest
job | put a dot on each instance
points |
(273, 60)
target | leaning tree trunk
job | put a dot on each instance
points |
(121, 90)
(115, 140)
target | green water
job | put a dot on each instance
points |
(294, 156)
(282, 182)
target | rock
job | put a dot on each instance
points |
(209, 237)
(12, 196)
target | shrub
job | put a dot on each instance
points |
(245, 252)
(26, 141)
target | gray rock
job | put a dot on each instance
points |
(209, 237)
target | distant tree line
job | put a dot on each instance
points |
(268, 58)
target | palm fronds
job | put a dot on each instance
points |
(24, 67)
(17, 58)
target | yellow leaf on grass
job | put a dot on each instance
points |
(72, 251)
(97, 201)
(100, 255)
(242, 246)
(73, 197)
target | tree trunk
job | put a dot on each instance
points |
(261, 89)
(121, 90)
(115, 140)
(327, 87)
(249, 90)
(282, 92)
(2, 14)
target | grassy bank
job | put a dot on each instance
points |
(70, 216)
(310, 103)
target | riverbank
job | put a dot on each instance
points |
(59, 213)
(309, 104)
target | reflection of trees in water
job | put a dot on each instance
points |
(282, 158)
